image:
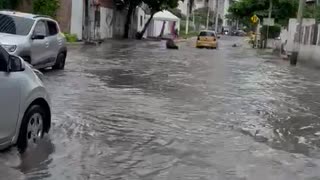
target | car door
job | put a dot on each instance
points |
(53, 39)
(39, 47)
(9, 100)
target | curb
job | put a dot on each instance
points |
(74, 43)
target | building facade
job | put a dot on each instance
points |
(94, 19)
(223, 7)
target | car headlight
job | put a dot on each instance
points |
(9, 48)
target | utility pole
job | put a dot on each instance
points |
(269, 18)
(217, 16)
(296, 47)
(193, 21)
(208, 17)
(188, 16)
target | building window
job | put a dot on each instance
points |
(141, 21)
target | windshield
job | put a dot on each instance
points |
(15, 25)
(204, 33)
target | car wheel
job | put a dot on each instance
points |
(32, 128)
(61, 61)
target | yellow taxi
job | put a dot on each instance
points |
(207, 39)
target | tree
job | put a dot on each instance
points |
(46, 7)
(312, 12)
(156, 6)
(282, 9)
(201, 15)
(131, 5)
(177, 12)
(9, 4)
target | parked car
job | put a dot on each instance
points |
(25, 114)
(238, 33)
(37, 39)
(207, 39)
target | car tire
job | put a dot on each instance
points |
(32, 128)
(61, 61)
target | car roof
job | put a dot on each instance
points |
(208, 31)
(21, 14)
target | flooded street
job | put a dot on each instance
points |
(133, 110)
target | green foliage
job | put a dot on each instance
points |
(201, 16)
(274, 31)
(71, 37)
(9, 4)
(312, 12)
(46, 7)
(189, 35)
(159, 5)
(282, 9)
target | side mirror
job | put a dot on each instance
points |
(4, 60)
(16, 64)
(37, 36)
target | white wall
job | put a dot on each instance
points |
(292, 30)
(141, 15)
(106, 23)
(118, 23)
(77, 18)
(308, 53)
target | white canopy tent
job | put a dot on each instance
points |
(165, 19)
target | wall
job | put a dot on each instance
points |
(309, 51)
(25, 6)
(119, 19)
(141, 19)
(106, 3)
(292, 31)
(106, 23)
(77, 18)
(64, 15)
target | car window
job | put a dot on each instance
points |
(52, 28)
(204, 33)
(15, 25)
(40, 28)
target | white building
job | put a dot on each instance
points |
(99, 20)
(222, 7)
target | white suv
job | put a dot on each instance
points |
(37, 39)
(25, 113)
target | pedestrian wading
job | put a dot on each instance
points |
(171, 44)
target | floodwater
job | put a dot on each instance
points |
(131, 110)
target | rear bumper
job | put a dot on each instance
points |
(212, 44)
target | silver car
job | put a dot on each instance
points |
(37, 39)
(25, 113)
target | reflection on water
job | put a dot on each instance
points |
(133, 110)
